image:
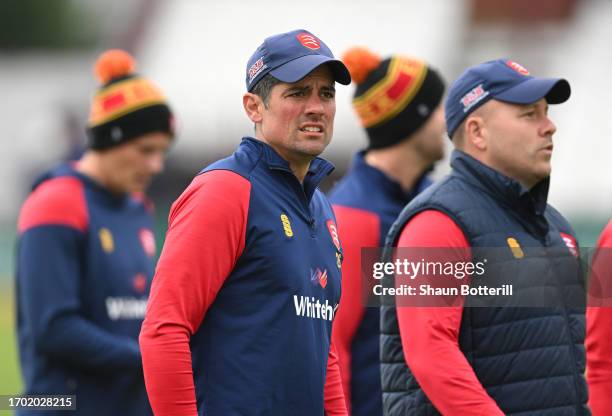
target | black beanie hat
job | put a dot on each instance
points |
(126, 106)
(394, 97)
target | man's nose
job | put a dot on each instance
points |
(314, 104)
(548, 127)
(156, 163)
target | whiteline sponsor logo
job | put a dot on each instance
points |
(125, 308)
(309, 307)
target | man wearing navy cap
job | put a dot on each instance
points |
(491, 360)
(248, 283)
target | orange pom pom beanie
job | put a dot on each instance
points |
(126, 105)
(394, 96)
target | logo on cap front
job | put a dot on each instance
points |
(517, 67)
(308, 41)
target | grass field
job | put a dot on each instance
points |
(10, 380)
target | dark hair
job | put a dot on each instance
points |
(264, 87)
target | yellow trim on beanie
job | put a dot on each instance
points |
(123, 97)
(388, 97)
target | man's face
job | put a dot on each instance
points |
(431, 138)
(519, 140)
(130, 167)
(298, 121)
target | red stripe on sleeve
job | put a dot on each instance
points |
(206, 236)
(334, 398)
(599, 321)
(430, 335)
(57, 201)
(357, 228)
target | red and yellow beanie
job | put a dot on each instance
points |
(126, 105)
(394, 96)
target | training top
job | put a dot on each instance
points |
(599, 321)
(245, 292)
(366, 202)
(85, 259)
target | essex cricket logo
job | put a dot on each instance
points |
(308, 41)
(333, 232)
(571, 244)
(147, 239)
(517, 67)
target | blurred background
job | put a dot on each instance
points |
(196, 51)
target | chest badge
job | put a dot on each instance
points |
(286, 225)
(147, 239)
(106, 240)
(333, 232)
(515, 247)
(571, 244)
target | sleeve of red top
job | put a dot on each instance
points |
(356, 228)
(205, 238)
(599, 321)
(430, 334)
(333, 395)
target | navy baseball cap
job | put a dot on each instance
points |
(291, 56)
(503, 80)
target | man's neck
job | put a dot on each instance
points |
(90, 165)
(298, 165)
(403, 167)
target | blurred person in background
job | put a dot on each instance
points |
(86, 250)
(599, 327)
(399, 103)
(492, 360)
(248, 282)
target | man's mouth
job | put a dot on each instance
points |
(312, 129)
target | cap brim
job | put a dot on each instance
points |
(298, 68)
(555, 90)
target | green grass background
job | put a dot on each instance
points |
(10, 379)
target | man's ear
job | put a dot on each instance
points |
(475, 132)
(253, 106)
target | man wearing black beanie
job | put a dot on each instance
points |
(86, 254)
(398, 101)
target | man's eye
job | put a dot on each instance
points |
(297, 94)
(328, 94)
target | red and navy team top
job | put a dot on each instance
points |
(85, 261)
(366, 202)
(245, 293)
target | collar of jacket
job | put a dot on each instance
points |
(501, 187)
(376, 178)
(70, 169)
(319, 168)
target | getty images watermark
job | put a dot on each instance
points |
(511, 276)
